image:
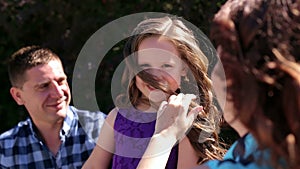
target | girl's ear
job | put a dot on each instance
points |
(16, 94)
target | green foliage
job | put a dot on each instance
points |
(64, 27)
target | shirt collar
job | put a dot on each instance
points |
(69, 122)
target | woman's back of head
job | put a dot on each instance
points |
(259, 45)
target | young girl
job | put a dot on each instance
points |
(258, 43)
(162, 58)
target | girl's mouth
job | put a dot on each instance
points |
(151, 88)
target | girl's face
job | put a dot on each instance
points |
(157, 53)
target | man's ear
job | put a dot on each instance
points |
(16, 94)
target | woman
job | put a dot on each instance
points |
(258, 42)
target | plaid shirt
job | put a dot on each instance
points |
(21, 148)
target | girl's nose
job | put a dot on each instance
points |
(163, 78)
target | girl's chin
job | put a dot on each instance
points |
(157, 96)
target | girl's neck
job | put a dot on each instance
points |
(148, 107)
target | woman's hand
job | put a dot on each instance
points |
(173, 116)
(173, 120)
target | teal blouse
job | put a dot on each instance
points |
(243, 154)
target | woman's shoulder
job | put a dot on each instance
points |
(244, 154)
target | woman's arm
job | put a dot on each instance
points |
(187, 155)
(172, 123)
(103, 151)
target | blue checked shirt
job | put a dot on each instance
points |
(21, 148)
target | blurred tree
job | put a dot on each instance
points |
(64, 26)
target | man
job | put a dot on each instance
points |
(52, 137)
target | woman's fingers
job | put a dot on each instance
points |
(162, 108)
(174, 115)
(192, 115)
(163, 117)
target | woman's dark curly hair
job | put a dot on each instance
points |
(258, 42)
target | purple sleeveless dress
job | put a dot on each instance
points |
(132, 132)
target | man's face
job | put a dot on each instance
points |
(45, 93)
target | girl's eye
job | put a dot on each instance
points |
(167, 66)
(144, 66)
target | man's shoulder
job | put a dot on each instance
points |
(90, 121)
(87, 115)
(13, 134)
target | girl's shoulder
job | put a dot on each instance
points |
(110, 119)
(137, 116)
